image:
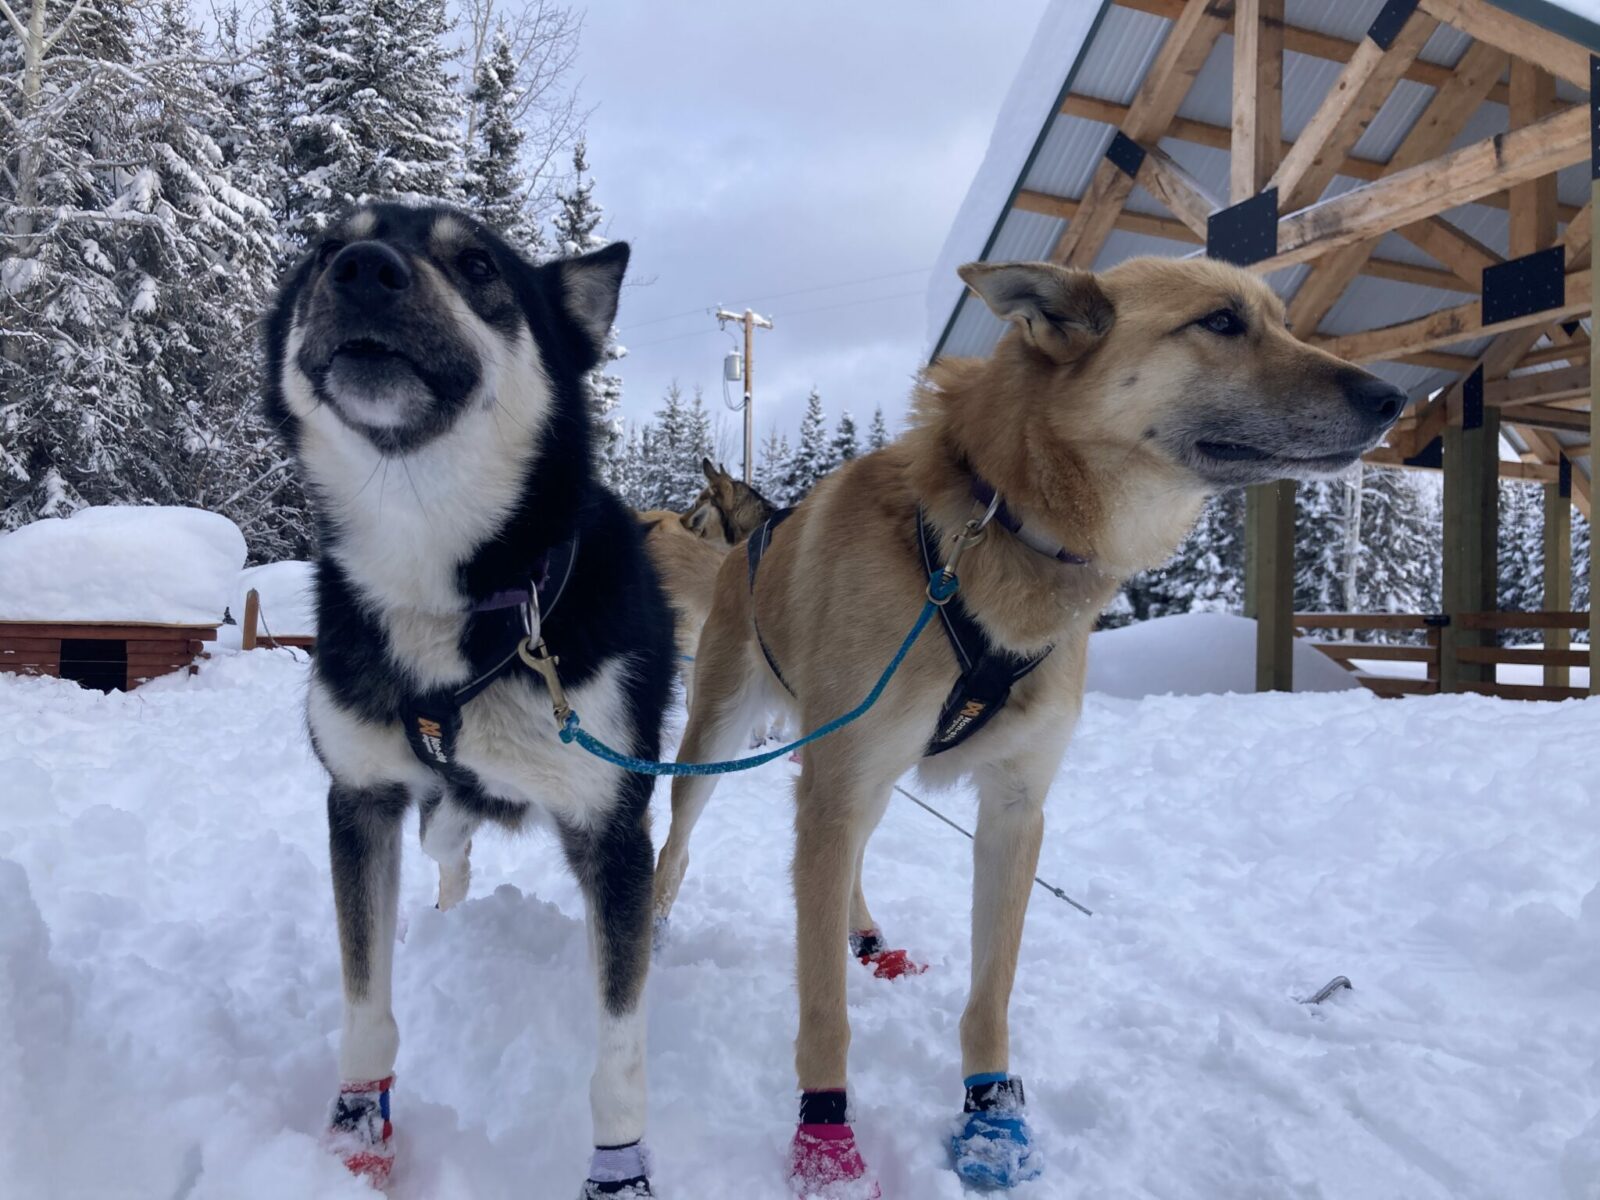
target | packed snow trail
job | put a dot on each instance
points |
(169, 980)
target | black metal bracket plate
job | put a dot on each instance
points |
(1247, 232)
(1125, 154)
(1431, 455)
(1521, 286)
(1472, 400)
(1386, 26)
(1594, 117)
(1564, 478)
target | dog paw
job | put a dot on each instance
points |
(867, 946)
(618, 1173)
(360, 1132)
(824, 1164)
(991, 1148)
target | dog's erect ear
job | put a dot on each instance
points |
(590, 284)
(1061, 312)
(709, 469)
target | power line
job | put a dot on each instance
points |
(822, 287)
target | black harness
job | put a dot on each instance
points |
(495, 631)
(987, 673)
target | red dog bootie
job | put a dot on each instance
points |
(359, 1131)
(824, 1163)
(867, 945)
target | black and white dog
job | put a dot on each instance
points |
(429, 381)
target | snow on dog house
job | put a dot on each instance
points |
(1414, 178)
(112, 597)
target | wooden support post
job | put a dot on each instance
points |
(1269, 576)
(1269, 507)
(252, 615)
(1471, 531)
(1558, 565)
(1594, 386)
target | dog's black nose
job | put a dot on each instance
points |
(369, 273)
(1375, 399)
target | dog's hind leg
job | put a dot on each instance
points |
(611, 860)
(993, 1148)
(447, 831)
(726, 704)
(364, 836)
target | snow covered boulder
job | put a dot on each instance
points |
(170, 566)
(1196, 654)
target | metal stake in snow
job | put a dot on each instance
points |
(1049, 887)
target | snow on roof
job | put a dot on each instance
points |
(176, 566)
(288, 598)
(1103, 51)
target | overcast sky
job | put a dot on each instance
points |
(805, 159)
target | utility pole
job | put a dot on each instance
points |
(751, 322)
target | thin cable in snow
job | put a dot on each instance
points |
(1049, 887)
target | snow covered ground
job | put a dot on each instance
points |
(169, 978)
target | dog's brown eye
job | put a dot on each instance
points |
(476, 265)
(1224, 322)
(327, 250)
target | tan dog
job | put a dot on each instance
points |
(688, 549)
(1104, 418)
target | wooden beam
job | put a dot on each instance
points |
(1559, 384)
(1354, 99)
(1317, 45)
(1219, 137)
(1184, 196)
(1516, 36)
(1257, 96)
(1542, 416)
(1176, 231)
(1531, 472)
(1269, 581)
(1447, 113)
(1188, 43)
(1450, 325)
(1558, 566)
(1430, 188)
(1471, 527)
(1533, 204)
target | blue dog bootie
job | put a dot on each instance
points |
(991, 1147)
(619, 1173)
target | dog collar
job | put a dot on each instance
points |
(984, 493)
(554, 564)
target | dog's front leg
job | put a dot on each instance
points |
(993, 1148)
(613, 862)
(364, 850)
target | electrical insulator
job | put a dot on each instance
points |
(733, 367)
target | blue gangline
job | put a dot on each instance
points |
(940, 588)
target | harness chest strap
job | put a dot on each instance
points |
(432, 722)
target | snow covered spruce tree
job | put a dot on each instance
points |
(812, 457)
(773, 467)
(1206, 574)
(878, 432)
(1399, 569)
(845, 444)
(495, 185)
(1321, 540)
(381, 109)
(1520, 573)
(670, 452)
(136, 262)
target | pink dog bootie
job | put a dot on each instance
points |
(824, 1163)
(359, 1131)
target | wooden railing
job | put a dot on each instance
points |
(1346, 653)
(1556, 660)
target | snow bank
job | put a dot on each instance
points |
(288, 597)
(169, 565)
(1196, 654)
(169, 971)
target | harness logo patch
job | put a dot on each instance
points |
(973, 708)
(432, 736)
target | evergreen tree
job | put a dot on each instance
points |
(1321, 539)
(671, 451)
(381, 109)
(773, 468)
(812, 457)
(1520, 566)
(1205, 573)
(1582, 548)
(1399, 565)
(578, 215)
(495, 186)
(878, 433)
(844, 446)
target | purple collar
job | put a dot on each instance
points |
(983, 492)
(540, 575)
